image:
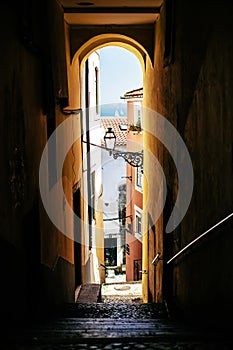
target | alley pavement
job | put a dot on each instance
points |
(114, 326)
(118, 290)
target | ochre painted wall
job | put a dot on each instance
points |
(36, 261)
(194, 92)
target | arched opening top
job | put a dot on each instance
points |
(84, 50)
(104, 40)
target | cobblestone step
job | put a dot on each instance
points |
(115, 310)
(89, 293)
(72, 330)
(126, 344)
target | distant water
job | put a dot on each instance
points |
(114, 110)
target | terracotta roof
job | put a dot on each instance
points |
(113, 122)
(137, 93)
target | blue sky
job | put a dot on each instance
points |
(120, 71)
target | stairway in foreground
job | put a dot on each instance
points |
(113, 326)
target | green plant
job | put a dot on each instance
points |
(135, 127)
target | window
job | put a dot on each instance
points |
(138, 178)
(123, 127)
(137, 112)
(138, 223)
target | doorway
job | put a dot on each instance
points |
(110, 251)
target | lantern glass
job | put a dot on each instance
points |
(110, 139)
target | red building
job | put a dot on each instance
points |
(134, 202)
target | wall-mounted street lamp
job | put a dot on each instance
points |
(135, 159)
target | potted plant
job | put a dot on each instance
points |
(136, 127)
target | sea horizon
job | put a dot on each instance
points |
(117, 110)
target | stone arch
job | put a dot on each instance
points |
(100, 41)
(103, 40)
(141, 37)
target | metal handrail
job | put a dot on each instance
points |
(156, 258)
(197, 239)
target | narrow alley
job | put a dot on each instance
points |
(166, 219)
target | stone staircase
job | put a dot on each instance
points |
(113, 326)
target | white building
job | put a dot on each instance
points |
(114, 195)
(92, 178)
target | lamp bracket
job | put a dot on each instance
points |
(135, 159)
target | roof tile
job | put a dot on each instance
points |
(113, 122)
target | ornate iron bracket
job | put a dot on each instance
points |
(135, 159)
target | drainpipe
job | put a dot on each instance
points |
(145, 247)
(145, 264)
(87, 105)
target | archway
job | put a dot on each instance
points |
(93, 44)
(79, 59)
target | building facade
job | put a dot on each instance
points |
(92, 242)
(134, 175)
